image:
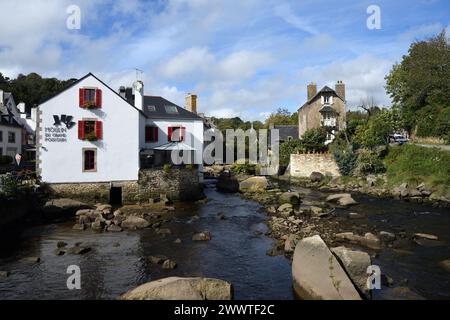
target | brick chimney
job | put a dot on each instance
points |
(340, 89)
(191, 103)
(311, 90)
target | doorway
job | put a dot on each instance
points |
(115, 196)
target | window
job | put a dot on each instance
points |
(176, 134)
(151, 134)
(89, 160)
(90, 130)
(1, 136)
(326, 99)
(149, 108)
(11, 137)
(171, 109)
(90, 98)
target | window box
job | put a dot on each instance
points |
(90, 130)
(90, 98)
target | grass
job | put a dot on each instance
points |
(414, 165)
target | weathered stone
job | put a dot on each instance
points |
(61, 244)
(114, 228)
(31, 260)
(157, 259)
(103, 207)
(163, 231)
(63, 205)
(177, 241)
(134, 223)
(169, 264)
(202, 236)
(369, 240)
(342, 199)
(425, 236)
(79, 250)
(83, 212)
(4, 274)
(356, 264)
(386, 237)
(285, 207)
(59, 251)
(290, 243)
(316, 177)
(317, 275)
(176, 288)
(254, 184)
(290, 197)
(445, 264)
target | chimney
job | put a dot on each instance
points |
(340, 89)
(312, 90)
(123, 92)
(139, 94)
(191, 103)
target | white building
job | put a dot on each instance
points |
(89, 133)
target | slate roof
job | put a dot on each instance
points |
(155, 107)
(286, 131)
(325, 89)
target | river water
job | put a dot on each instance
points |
(237, 252)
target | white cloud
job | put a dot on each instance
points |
(285, 12)
(418, 32)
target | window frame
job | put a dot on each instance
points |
(13, 135)
(154, 138)
(83, 164)
(172, 130)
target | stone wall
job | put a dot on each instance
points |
(176, 184)
(302, 165)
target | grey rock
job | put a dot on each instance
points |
(134, 223)
(290, 197)
(114, 228)
(316, 177)
(386, 237)
(290, 243)
(342, 199)
(157, 259)
(254, 184)
(169, 264)
(202, 236)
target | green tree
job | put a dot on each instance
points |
(282, 117)
(421, 79)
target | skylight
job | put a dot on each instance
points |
(171, 109)
(150, 108)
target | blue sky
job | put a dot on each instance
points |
(243, 58)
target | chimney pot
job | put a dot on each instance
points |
(340, 89)
(191, 103)
(311, 90)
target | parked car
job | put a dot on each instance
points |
(398, 138)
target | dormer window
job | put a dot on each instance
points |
(171, 109)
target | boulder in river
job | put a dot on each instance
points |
(317, 275)
(134, 223)
(356, 264)
(227, 183)
(4, 274)
(290, 197)
(177, 288)
(59, 206)
(445, 264)
(169, 264)
(369, 240)
(254, 184)
(342, 199)
(114, 228)
(386, 237)
(31, 260)
(157, 259)
(202, 236)
(316, 177)
(79, 250)
(425, 236)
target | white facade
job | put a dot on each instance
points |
(10, 140)
(61, 157)
(61, 151)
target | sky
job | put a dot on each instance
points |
(243, 58)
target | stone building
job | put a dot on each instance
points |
(324, 108)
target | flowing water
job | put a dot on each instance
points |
(237, 252)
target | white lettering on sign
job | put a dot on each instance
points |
(55, 134)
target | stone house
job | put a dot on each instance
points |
(323, 108)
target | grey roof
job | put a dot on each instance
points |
(159, 104)
(327, 108)
(325, 89)
(286, 131)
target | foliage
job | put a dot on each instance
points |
(243, 168)
(282, 117)
(313, 140)
(286, 149)
(411, 163)
(434, 122)
(5, 160)
(190, 166)
(367, 162)
(167, 167)
(9, 186)
(343, 154)
(421, 78)
(376, 131)
(32, 88)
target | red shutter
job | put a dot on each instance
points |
(155, 134)
(81, 130)
(182, 133)
(81, 95)
(98, 98)
(169, 134)
(99, 130)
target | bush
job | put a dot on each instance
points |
(313, 140)
(367, 162)
(243, 168)
(345, 159)
(286, 149)
(167, 167)
(190, 166)
(9, 187)
(4, 160)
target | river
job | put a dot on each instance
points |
(237, 252)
